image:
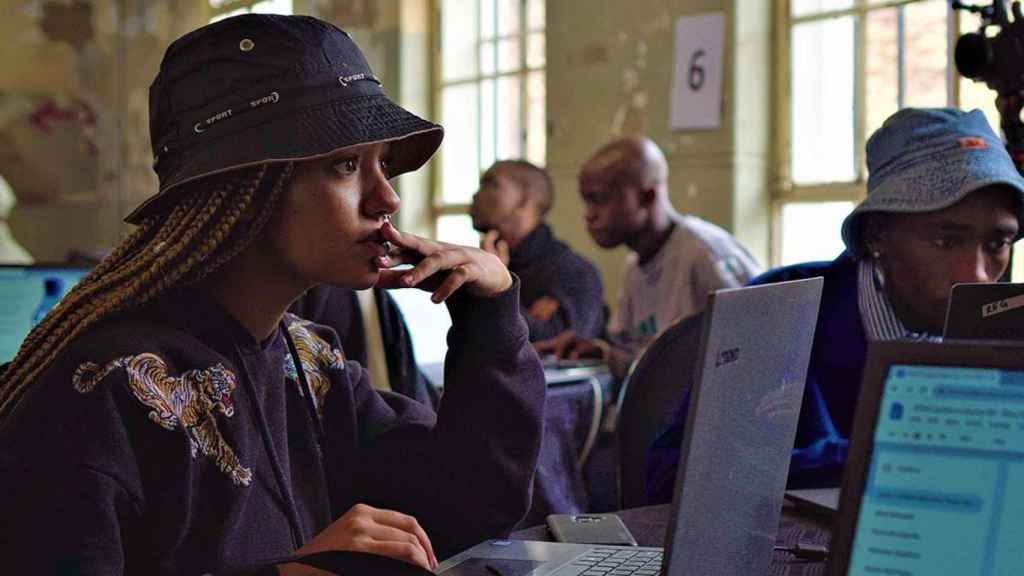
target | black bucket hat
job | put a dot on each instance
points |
(263, 88)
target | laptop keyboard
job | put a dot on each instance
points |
(617, 562)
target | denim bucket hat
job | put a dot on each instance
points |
(927, 159)
(260, 88)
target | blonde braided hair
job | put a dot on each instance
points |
(182, 246)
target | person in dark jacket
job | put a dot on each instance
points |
(342, 310)
(944, 205)
(169, 416)
(561, 290)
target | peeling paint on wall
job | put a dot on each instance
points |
(70, 23)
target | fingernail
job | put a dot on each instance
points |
(435, 298)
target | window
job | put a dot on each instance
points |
(221, 9)
(852, 63)
(490, 99)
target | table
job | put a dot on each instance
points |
(573, 411)
(648, 525)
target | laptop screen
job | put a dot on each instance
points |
(26, 294)
(948, 447)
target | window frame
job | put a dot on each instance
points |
(438, 207)
(783, 189)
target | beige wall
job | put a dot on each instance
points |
(609, 74)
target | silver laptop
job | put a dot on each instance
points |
(746, 398)
(936, 464)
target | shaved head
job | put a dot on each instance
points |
(632, 161)
(532, 179)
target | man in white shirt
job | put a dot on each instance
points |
(677, 260)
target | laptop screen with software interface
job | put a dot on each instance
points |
(26, 294)
(937, 499)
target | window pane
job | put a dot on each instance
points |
(459, 173)
(235, 12)
(509, 56)
(488, 58)
(822, 106)
(458, 38)
(457, 229)
(536, 119)
(805, 7)
(510, 130)
(535, 50)
(882, 74)
(488, 22)
(273, 7)
(489, 121)
(810, 230)
(535, 14)
(508, 17)
(925, 58)
(977, 94)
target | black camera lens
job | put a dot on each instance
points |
(972, 55)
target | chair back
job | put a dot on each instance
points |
(652, 391)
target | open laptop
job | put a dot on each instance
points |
(24, 299)
(824, 501)
(992, 311)
(932, 484)
(741, 425)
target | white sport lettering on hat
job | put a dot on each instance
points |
(346, 80)
(271, 98)
(212, 120)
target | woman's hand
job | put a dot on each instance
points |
(374, 531)
(441, 268)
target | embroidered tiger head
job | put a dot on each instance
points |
(216, 384)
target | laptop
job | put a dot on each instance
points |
(824, 501)
(932, 484)
(27, 292)
(986, 311)
(735, 454)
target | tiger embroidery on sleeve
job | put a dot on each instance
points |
(188, 401)
(317, 359)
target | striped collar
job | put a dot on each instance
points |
(876, 312)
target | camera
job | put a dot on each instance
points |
(995, 56)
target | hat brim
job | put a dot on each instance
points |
(962, 171)
(307, 134)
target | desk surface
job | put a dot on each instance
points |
(648, 525)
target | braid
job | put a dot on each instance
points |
(182, 246)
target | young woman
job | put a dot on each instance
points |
(168, 417)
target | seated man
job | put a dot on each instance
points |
(372, 332)
(560, 289)
(944, 204)
(676, 259)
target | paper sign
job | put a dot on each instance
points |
(696, 100)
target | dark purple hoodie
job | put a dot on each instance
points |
(168, 441)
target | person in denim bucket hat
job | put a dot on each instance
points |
(944, 204)
(169, 417)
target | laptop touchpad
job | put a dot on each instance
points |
(492, 567)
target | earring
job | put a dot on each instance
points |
(876, 254)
